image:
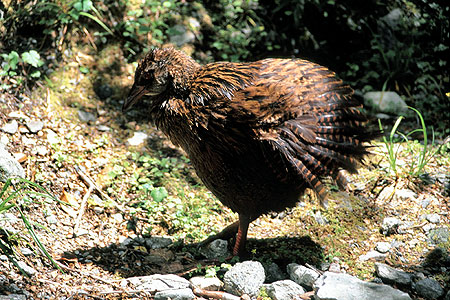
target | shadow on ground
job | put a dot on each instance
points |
(133, 257)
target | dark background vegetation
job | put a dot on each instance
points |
(405, 51)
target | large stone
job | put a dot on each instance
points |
(176, 294)
(338, 286)
(157, 242)
(391, 275)
(215, 249)
(284, 289)
(244, 278)
(158, 282)
(386, 102)
(302, 275)
(13, 297)
(206, 283)
(273, 272)
(429, 288)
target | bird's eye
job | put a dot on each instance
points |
(146, 78)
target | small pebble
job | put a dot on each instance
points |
(137, 139)
(118, 217)
(11, 127)
(383, 247)
(26, 251)
(334, 267)
(35, 125)
(27, 269)
(85, 116)
(433, 218)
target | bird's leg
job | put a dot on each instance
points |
(241, 237)
(227, 233)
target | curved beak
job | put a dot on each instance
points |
(134, 95)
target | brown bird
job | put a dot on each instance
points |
(258, 134)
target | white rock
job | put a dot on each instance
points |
(386, 102)
(118, 217)
(383, 247)
(11, 127)
(244, 278)
(35, 125)
(405, 194)
(86, 116)
(137, 139)
(338, 286)
(26, 251)
(27, 269)
(18, 115)
(4, 140)
(42, 150)
(433, 218)
(175, 294)
(52, 137)
(206, 283)
(302, 275)
(158, 282)
(9, 167)
(390, 225)
(373, 255)
(334, 267)
(283, 290)
(391, 275)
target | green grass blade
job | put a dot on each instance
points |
(5, 249)
(36, 239)
(5, 187)
(98, 21)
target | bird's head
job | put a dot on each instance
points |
(162, 71)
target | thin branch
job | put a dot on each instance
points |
(90, 183)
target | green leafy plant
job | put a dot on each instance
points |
(12, 62)
(16, 194)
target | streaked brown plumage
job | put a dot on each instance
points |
(258, 134)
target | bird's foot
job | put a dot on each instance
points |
(226, 234)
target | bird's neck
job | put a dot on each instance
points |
(183, 73)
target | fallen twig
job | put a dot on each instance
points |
(91, 183)
(307, 295)
(81, 211)
(215, 294)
